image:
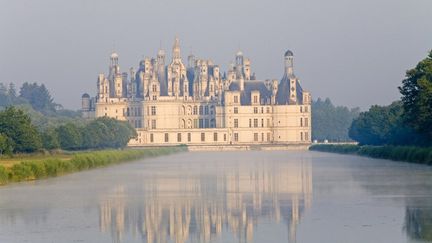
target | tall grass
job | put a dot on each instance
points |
(421, 155)
(30, 170)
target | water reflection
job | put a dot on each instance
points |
(418, 222)
(180, 205)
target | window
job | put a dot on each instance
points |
(255, 122)
(236, 137)
(268, 122)
(206, 123)
(262, 109)
(235, 110)
(215, 136)
(235, 99)
(255, 99)
(250, 122)
(306, 122)
(235, 122)
(301, 108)
(154, 97)
(201, 123)
(151, 138)
(262, 122)
(255, 137)
(225, 137)
(195, 125)
(206, 110)
(306, 109)
(268, 109)
(301, 136)
(301, 121)
(200, 110)
(153, 110)
(202, 137)
(255, 110)
(179, 138)
(189, 137)
(153, 124)
(166, 138)
(262, 136)
(195, 110)
(154, 88)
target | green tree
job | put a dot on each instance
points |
(382, 125)
(5, 145)
(50, 139)
(17, 126)
(416, 93)
(331, 122)
(69, 136)
(38, 96)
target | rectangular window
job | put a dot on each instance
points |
(201, 123)
(236, 137)
(236, 123)
(200, 110)
(166, 138)
(262, 122)
(153, 124)
(153, 110)
(250, 122)
(306, 121)
(195, 110)
(202, 137)
(255, 110)
(206, 123)
(206, 110)
(235, 110)
(215, 136)
(179, 137)
(255, 122)
(151, 138)
(301, 136)
(262, 109)
(268, 109)
(255, 99)
(268, 137)
(225, 137)
(189, 137)
(262, 136)
(255, 137)
(235, 99)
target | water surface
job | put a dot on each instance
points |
(254, 196)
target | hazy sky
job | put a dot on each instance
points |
(355, 52)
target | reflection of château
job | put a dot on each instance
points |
(198, 208)
(197, 104)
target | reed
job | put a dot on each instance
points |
(51, 167)
(412, 154)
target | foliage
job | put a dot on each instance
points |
(5, 145)
(331, 122)
(3, 175)
(422, 155)
(69, 136)
(383, 125)
(50, 139)
(38, 96)
(416, 93)
(17, 126)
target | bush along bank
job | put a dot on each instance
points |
(421, 155)
(31, 170)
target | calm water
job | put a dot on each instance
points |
(226, 197)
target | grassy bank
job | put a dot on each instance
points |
(398, 153)
(59, 165)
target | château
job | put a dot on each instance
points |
(196, 104)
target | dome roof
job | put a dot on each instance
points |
(289, 53)
(85, 95)
(114, 55)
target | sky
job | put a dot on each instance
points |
(354, 52)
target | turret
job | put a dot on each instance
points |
(289, 58)
(176, 49)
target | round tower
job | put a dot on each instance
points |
(85, 102)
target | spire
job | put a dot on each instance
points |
(176, 49)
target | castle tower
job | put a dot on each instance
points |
(289, 73)
(289, 58)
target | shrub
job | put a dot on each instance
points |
(3, 175)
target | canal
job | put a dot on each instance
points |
(254, 196)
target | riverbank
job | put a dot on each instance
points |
(410, 154)
(39, 167)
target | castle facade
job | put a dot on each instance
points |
(195, 104)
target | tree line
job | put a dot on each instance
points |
(404, 122)
(19, 135)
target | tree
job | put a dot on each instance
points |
(18, 128)
(5, 145)
(383, 125)
(38, 96)
(416, 93)
(50, 139)
(69, 136)
(331, 122)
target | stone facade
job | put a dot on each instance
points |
(196, 104)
